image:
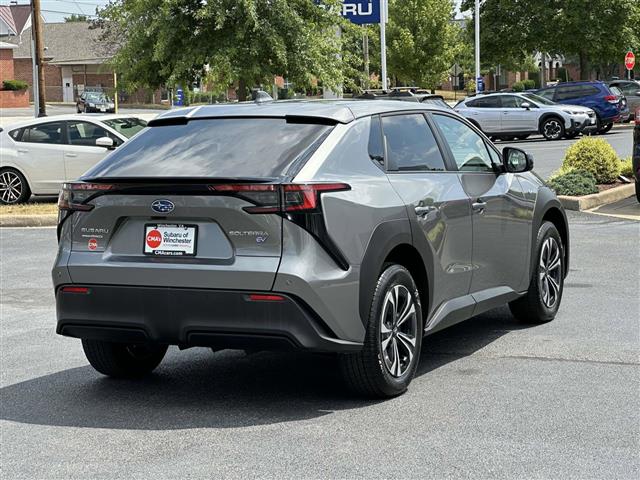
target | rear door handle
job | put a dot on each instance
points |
(478, 206)
(71, 155)
(424, 211)
(23, 150)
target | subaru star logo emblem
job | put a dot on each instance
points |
(162, 206)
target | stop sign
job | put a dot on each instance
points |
(629, 60)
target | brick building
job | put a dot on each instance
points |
(74, 60)
(10, 98)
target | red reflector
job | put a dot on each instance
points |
(257, 297)
(75, 290)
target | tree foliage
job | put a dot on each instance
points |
(422, 40)
(170, 41)
(596, 32)
(76, 18)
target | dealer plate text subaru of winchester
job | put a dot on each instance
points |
(351, 227)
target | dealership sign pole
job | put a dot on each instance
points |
(629, 62)
(363, 12)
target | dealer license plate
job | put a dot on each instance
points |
(170, 239)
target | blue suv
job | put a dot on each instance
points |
(595, 95)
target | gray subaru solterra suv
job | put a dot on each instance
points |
(350, 227)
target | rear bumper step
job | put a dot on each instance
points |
(193, 317)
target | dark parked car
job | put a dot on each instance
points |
(354, 228)
(595, 95)
(636, 153)
(631, 91)
(95, 102)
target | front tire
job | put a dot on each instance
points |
(13, 187)
(552, 129)
(542, 300)
(123, 360)
(389, 357)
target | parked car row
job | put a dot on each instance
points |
(37, 156)
(506, 116)
(635, 158)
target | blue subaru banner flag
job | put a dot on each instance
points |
(361, 12)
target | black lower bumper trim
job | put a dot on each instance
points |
(193, 317)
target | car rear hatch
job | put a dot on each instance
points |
(197, 204)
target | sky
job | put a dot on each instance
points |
(56, 10)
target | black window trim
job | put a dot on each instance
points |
(425, 114)
(487, 143)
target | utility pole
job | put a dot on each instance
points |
(477, 31)
(365, 52)
(383, 43)
(38, 54)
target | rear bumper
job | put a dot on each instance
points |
(194, 317)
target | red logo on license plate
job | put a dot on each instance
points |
(154, 239)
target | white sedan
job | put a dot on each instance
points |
(37, 156)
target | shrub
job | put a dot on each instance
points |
(518, 87)
(594, 155)
(574, 183)
(529, 84)
(626, 167)
(14, 85)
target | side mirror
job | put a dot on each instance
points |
(526, 105)
(105, 142)
(515, 160)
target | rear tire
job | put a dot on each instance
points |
(13, 187)
(542, 300)
(123, 360)
(638, 190)
(389, 357)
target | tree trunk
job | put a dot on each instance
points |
(242, 90)
(584, 67)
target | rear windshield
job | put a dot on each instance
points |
(223, 148)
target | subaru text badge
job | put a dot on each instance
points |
(162, 206)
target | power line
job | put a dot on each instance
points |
(67, 13)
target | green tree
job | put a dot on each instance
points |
(595, 33)
(157, 42)
(76, 18)
(422, 41)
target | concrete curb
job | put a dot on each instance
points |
(587, 202)
(28, 220)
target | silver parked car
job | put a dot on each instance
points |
(38, 156)
(354, 228)
(506, 116)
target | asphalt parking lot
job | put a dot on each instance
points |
(492, 398)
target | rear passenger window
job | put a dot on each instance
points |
(411, 145)
(44, 133)
(575, 91)
(376, 146)
(485, 102)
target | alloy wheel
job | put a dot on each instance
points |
(552, 129)
(11, 187)
(398, 330)
(550, 272)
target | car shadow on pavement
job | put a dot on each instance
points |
(199, 389)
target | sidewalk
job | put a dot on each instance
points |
(628, 208)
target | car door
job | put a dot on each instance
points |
(514, 117)
(485, 111)
(81, 152)
(40, 152)
(437, 206)
(501, 215)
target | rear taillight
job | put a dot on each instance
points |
(74, 196)
(637, 116)
(611, 98)
(284, 198)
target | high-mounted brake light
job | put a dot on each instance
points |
(290, 197)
